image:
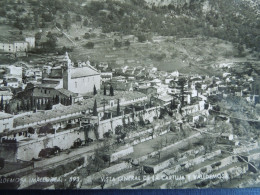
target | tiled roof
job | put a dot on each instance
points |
(66, 92)
(83, 72)
(52, 86)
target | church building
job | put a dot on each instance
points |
(80, 80)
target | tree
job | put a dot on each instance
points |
(7, 108)
(127, 43)
(70, 100)
(117, 43)
(57, 99)
(67, 21)
(90, 45)
(94, 90)
(28, 105)
(32, 102)
(118, 108)
(142, 38)
(22, 106)
(78, 18)
(51, 42)
(95, 113)
(105, 90)
(241, 50)
(49, 105)
(18, 107)
(85, 23)
(2, 103)
(111, 90)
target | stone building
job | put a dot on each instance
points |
(80, 80)
(15, 44)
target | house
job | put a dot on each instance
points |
(12, 82)
(175, 74)
(120, 86)
(42, 93)
(197, 117)
(6, 122)
(15, 71)
(106, 76)
(163, 100)
(155, 82)
(148, 90)
(16, 44)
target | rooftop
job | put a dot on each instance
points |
(45, 85)
(11, 38)
(66, 92)
(75, 108)
(83, 72)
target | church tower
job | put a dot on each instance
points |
(66, 71)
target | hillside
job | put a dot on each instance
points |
(186, 33)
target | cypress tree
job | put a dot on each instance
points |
(95, 113)
(28, 105)
(105, 90)
(70, 100)
(111, 90)
(49, 105)
(118, 108)
(32, 102)
(2, 102)
(38, 105)
(7, 108)
(57, 99)
(95, 90)
(22, 106)
(18, 107)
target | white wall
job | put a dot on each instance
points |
(84, 85)
(6, 124)
(28, 150)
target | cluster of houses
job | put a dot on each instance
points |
(75, 88)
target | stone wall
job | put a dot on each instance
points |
(121, 153)
(111, 124)
(31, 149)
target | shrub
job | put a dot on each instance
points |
(90, 45)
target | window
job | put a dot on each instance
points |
(45, 91)
(76, 85)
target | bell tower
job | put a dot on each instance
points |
(66, 66)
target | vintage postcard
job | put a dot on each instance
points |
(129, 94)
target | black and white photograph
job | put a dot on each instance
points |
(129, 94)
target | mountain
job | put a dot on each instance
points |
(233, 20)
